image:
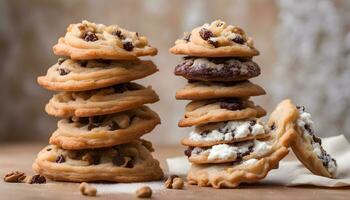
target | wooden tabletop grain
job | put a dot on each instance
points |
(20, 157)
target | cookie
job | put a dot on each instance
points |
(219, 110)
(216, 40)
(104, 130)
(308, 148)
(217, 69)
(253, 167)
(75, 75)
(228, 132)
(212, 90)
(87, 40)
(117, 98)
(124, 163)
(230, 175)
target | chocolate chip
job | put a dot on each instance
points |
(130, 164)
(89, 36)
(37, 179)
(301, 108)
(92, 126)
(252, 122)
(214, 43)
(63, 72)
(232, 104)
(60, 159)
(61, 60)
(120, 88)
(113, 126)
(205, 33)
(187, 37)
(238, 39)
(188, 151)
(128, 46)
(118, 160)
(273, 127)
(83, 63)
(92, 159)
(317, 139)
(83, 120)
(308, 129)
(118, 33)
(137, 34)
(102, 61)
(48, 149)
(70, 120)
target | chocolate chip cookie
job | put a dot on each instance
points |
(131, 162)
(117, 98)
(218, 110)
(104, 130)
(215, 40)
(87, 40)
(76, 75)
(217, 69)
(200, 90)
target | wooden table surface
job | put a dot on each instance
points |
(20, 157)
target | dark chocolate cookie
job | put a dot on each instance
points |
(217, 69)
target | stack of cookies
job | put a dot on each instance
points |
(103, 113)
(229, 144)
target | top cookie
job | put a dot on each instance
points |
(215, 40)
(87, 40)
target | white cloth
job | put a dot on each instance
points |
(292, 173)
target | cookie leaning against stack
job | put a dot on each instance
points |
(229, 144)
(103, 113)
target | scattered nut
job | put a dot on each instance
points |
(144, 192)
(178, 183)
(37, 179)
(14, 177)
(87, 189)
(174, 182)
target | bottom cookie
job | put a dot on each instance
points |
(231, 175)
(124, 163)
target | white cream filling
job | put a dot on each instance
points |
(261, 148)
(240, 129)
(223, 151)
(205, 62)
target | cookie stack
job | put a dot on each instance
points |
(103, 113)
(218, 66)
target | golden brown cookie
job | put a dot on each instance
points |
(124, 163)
(213, 90)
(75, 75)
(255, 166)
(105, 130)
(87, 40)
(117, 98)
(207, 111)
(216, 40)
(308, 148)
(226, 133)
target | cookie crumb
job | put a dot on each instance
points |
(15, 177)
(144, 192)
(87, 189)
(174, 182)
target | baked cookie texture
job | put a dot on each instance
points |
(104, 113)
(87, 40)
(207, 111)
(200, 90)
(255, 166)
(217, 69)
(104, 131)
(75, 75)
(308, 147)
(216, 40)
(124, 163)
(103, 101)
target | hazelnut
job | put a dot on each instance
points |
(87, 189)
(174, 182)
(144, 192)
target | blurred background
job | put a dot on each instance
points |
(304, 45)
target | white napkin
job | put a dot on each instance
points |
(291, 173)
